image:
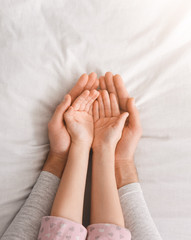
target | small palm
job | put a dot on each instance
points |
(105, 128)
(79, 123)
(78, 118)
(132, 130)
(107, 120)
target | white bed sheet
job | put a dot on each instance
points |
(46, 45)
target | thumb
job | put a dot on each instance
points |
(123, 118)
(66, 102)
(134, 119)
(57, 118)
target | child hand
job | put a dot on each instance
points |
(79, 119)
(108, 122)
(132, 130)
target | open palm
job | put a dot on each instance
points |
(58, 134)
(108, 122)
(132, 130)
(78, 118)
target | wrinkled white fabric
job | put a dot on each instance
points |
(45, 45)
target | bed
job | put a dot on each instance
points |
(46, 45)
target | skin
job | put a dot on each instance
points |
(124, 155)
(121, 145)
(69, 198)
(59, 137)
(108, 126)
(125, 169)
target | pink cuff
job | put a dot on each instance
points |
(58, 228)
(105, 231)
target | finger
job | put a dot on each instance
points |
(96, 84)
(102, 83)
(114, 105)
(91, 80)
(80, 99)
(109, 83)
(122, 93)
(85, 101)
(95, 111)
(79, 87)
(134, 118)
(92, 97)
(57, 117)
(106, 102)
(101, 106)
(91, 110)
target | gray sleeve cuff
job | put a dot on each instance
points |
(128, 189)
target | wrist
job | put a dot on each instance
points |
(126, 173)
(55, 163)
(81, 143)
(104, 156)
(104, 148)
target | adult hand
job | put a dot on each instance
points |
(132, 131)
(58, 135)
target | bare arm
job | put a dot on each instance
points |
(69, 198)
(105, 204)
(108, 125)
(70, 195)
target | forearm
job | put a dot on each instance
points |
(125, 172)
(68, 202)
(105, 204)
(26, 224)
(55, 164)
(136, 213)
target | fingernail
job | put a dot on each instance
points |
(133, 101)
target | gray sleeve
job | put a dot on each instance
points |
(27, 222)
(136, 213)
